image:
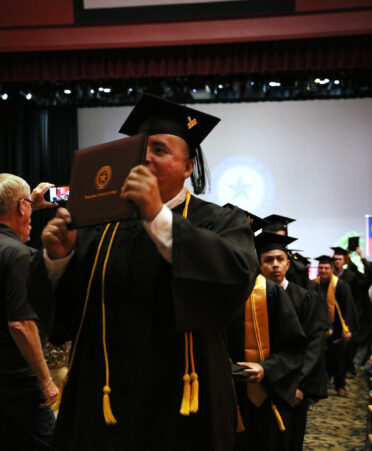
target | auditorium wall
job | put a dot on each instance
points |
(309, 160)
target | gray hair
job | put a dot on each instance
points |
(12, 189)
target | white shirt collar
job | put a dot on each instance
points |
(284, 283)
(177, 199)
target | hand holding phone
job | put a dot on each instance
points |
(59, 194)
(37, 196)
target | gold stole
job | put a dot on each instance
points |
(256, 336)
(332, 302)
(257, 341)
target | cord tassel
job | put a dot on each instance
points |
(194, 399)
(185, 405)
(107, 412)
(240, 425)
(278, 417)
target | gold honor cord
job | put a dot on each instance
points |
(107, 412)
(190, 398)
(73, 352)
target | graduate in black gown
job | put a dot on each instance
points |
(170, 284)
(278, 372)
(275, 262)
(337, 294)
(340, 257)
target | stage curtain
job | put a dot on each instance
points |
(251, 57)
(37, 144)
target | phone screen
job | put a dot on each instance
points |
(59, 194)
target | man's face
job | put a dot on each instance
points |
(167, 157)
(281, 232)
(325, 271)
(338, 261)
(274, 265)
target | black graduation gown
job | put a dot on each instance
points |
(347, 306)
(359, 284)
(149, 305)
(287, 347)
(325, 317)
(282, 372)
(297, 272)
(313, 375)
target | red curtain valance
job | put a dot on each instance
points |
(250, 57)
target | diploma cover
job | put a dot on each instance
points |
(97, 175)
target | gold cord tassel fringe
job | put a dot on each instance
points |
(107, 412)
(240, 425)
(185, 405)
(278, 417)
(190, 398)
(194, 399)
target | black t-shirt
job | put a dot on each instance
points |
(15, 258)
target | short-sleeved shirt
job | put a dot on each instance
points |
(15, 258)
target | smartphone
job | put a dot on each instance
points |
(353, 243)
(59, 194)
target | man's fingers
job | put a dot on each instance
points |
(64, 214)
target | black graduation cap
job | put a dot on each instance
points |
(298, 257)
(278, 222)
(339, 250)
(268, 241)
(255, 221)
(325, 259)
(155, 115)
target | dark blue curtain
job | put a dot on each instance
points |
(37, 143)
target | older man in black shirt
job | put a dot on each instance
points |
(26, 388)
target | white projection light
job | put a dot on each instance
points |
(243, 181)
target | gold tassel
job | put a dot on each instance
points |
(194, 400)
(185, 405)
(190, 398)
(278, 417)
(57, 403)
(107, 412)
(240, 425)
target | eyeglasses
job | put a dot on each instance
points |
(31, 202)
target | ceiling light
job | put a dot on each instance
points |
(67, 91)
(4, 96)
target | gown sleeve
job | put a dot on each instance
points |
(214, 266)
(287, 346)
